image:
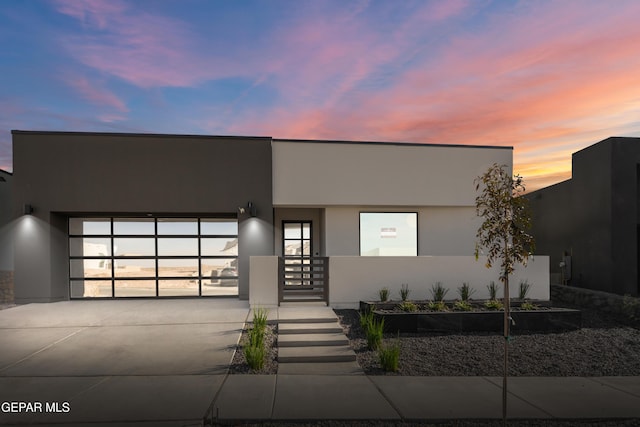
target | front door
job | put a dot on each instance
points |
(304, 277)
(297, 248)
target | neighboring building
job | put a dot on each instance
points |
(6, 245)
(591, 222)
(134, 215)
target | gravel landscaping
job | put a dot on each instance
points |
(603, 347)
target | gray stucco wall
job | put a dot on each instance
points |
(6, 238)
(594, 216)
(62, 174)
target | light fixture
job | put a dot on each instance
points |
(27, 209)
(252, 209)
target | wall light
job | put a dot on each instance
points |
(27, 209)
(251, 208)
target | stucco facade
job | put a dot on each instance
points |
(594, 218)
(280, 197)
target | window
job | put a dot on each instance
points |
(388, 234)
(149, 257)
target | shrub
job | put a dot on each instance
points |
(404, 291)
(437, 306)
(374, 332)
(493, 290)
(255, 355)
(438, 292)
(383, 294)
(256, 336)
(524, 289)
(462, 306)
(366, 318)
(408, 306)
(465, 292)
(528, 306)
(494, 304)
(260, 318)
(389, 356)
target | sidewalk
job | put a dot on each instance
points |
(321, 397)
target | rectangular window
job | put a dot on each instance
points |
(388, 233)
(149, 257)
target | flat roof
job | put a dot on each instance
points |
(328, 141)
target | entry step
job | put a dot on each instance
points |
(335, 368)
(321, 354)
(309, 328)
(312, 340)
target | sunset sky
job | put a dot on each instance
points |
(546, 77)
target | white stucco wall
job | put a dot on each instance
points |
(308, 173)
(446, 230)
(353, 279)
(263, 281)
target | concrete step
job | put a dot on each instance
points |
(322, 354)
(336, 368)
(309, 328)
(306, 315)
(312, 340)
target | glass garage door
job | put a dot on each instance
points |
(153, 257)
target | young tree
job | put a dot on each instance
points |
(504, 237)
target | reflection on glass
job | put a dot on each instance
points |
(220, 246)
(306, 231)
(90, 288)
(176, 288)
(134, 226)
(178, 267)
(177, 246)
(89, 246)
(388, 234)
(222, 227)
(135, 267)
(79, 226)
(292, 231)
(177, 226)
(134, 246)
(89, 268)
(135, 288)
(221, 287)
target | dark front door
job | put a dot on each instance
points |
(304, 277)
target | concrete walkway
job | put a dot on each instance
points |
(163, 363)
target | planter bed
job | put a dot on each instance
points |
(544, 319)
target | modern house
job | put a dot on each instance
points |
(591, 222)
(103, 215)
(6, 238)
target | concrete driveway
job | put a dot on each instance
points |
(119, 361)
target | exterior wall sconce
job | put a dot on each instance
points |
(27, 209)
(250, 207)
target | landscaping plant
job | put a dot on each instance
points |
(255, 349)
(503, 236)
(408, 306)
(462, 305)
(366, 317)
(528, 306)
(524, 290)
(383, 294)
(494, 304)
(437, 306)
(374, 332)
(465, 292)
(404, 291)
(389, 356)
(493, 290)
(438, 292)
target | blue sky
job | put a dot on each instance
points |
(547, 77)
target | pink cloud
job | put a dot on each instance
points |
(141, 48)
(94, 93)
